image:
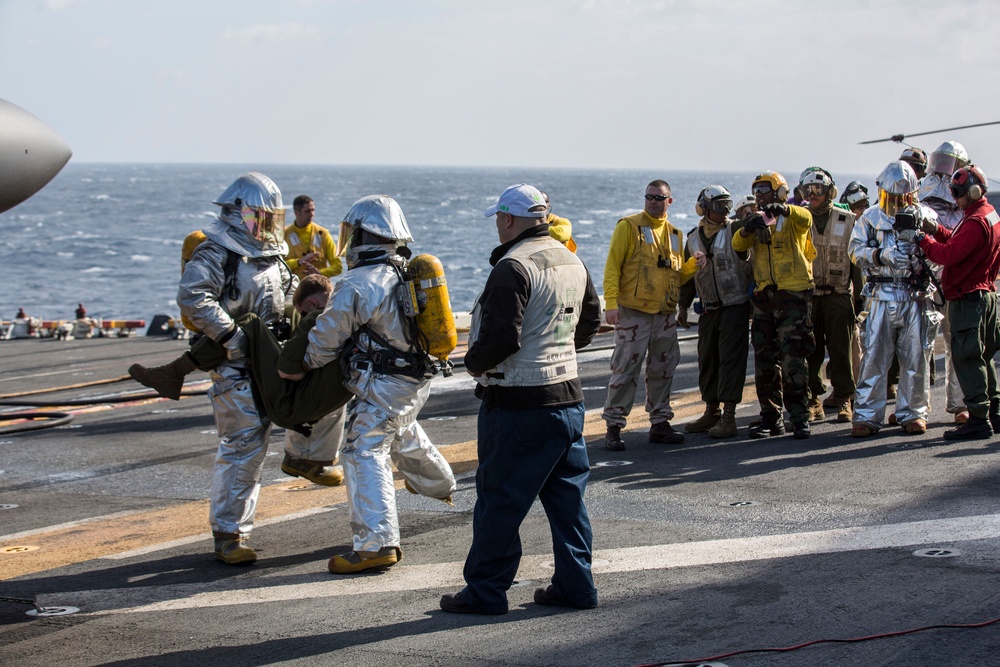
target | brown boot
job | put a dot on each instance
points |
(845, 414)
(613, 439)
(816, 413)
(317, 472)
(726, 428)
(168, 380)
(706, 421)
(230, 548)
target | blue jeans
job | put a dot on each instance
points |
(526, 454)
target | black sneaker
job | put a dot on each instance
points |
(801, 431)
(761, 428)
(974, 429)
(664, 434)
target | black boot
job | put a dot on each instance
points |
(762, 428)
(166, 380)
(976, 428)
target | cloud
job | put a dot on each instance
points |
(271, 32)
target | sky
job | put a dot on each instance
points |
(706, 86)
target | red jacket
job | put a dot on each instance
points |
(969, 253)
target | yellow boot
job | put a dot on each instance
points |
(231, 548)
(359, 561)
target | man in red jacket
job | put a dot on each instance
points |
(969, 254)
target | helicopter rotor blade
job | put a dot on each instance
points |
(898, 138)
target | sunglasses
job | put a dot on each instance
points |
(657, 197)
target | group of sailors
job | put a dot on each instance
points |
(862, 283)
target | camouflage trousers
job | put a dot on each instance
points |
(782, 337)
(637, 335)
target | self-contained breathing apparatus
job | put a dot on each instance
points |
(429, 324)
(906, 224)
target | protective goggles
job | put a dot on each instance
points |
(815, 190)
(761, 189)
(264, 226)
(720, 205)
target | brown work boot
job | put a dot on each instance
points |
(706, 421)
(916, 427)
(231, 549)
(664, 434)
(359, 561)
(961, 417)
(845, 413)
(816, 413)
(317, 472)
(726, 428)
(613, 439)
(860, 430)
(168, 380)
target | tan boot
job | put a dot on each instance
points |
(726, 428)
(359, 561)
(168, 380)
(231, 548)
(816, 413)
(706, 421)
(845, 414)
(317, 472)
(409, 487)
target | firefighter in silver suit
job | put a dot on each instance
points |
(239, 269)
(365, 328)
(897, 285)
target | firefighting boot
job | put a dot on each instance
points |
(726, 428)
(317, 472)
(168, 380)
(409, 487)
(359, 561)
(231, 548)
(706, 421)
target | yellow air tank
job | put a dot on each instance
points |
(434, 319)
(191, 242)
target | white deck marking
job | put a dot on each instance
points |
(405, 577)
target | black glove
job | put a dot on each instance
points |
(776, 209)
(755, 222)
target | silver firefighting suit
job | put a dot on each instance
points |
(323, 444)
(383, 372)
(936, 194)
(899, 315)
(261, 284)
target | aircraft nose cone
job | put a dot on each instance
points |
(31, 154)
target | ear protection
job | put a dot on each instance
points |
(699, 207)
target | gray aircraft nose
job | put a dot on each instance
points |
(31, 154)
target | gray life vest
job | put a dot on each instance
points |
(725, 281)
(832, 266)
(557, 280)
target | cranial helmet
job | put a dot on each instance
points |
(897, 187)
(745, 200)
(969, 182)
(777, 183)
(379, 215)
(253, 202)
(854, 193)
(817, 176)
(947, 158)
(714, 198)
(917, 159)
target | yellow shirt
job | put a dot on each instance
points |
(786, 262)
(633, 276)
(312, 238)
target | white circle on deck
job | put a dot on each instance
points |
(446, 418)
(937, 552)
(162, 412)
(70, 426)
(611, 464)
(210, 432)
(7, 506)
(594, 388)
(52, 611)
(6, 442)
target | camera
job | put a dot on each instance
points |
(905, 220)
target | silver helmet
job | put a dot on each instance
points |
(947, 158)
(253, 202)
(897, 187)
(379, 215)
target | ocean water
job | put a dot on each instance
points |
(109, 236)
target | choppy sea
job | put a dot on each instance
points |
(109, 236)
